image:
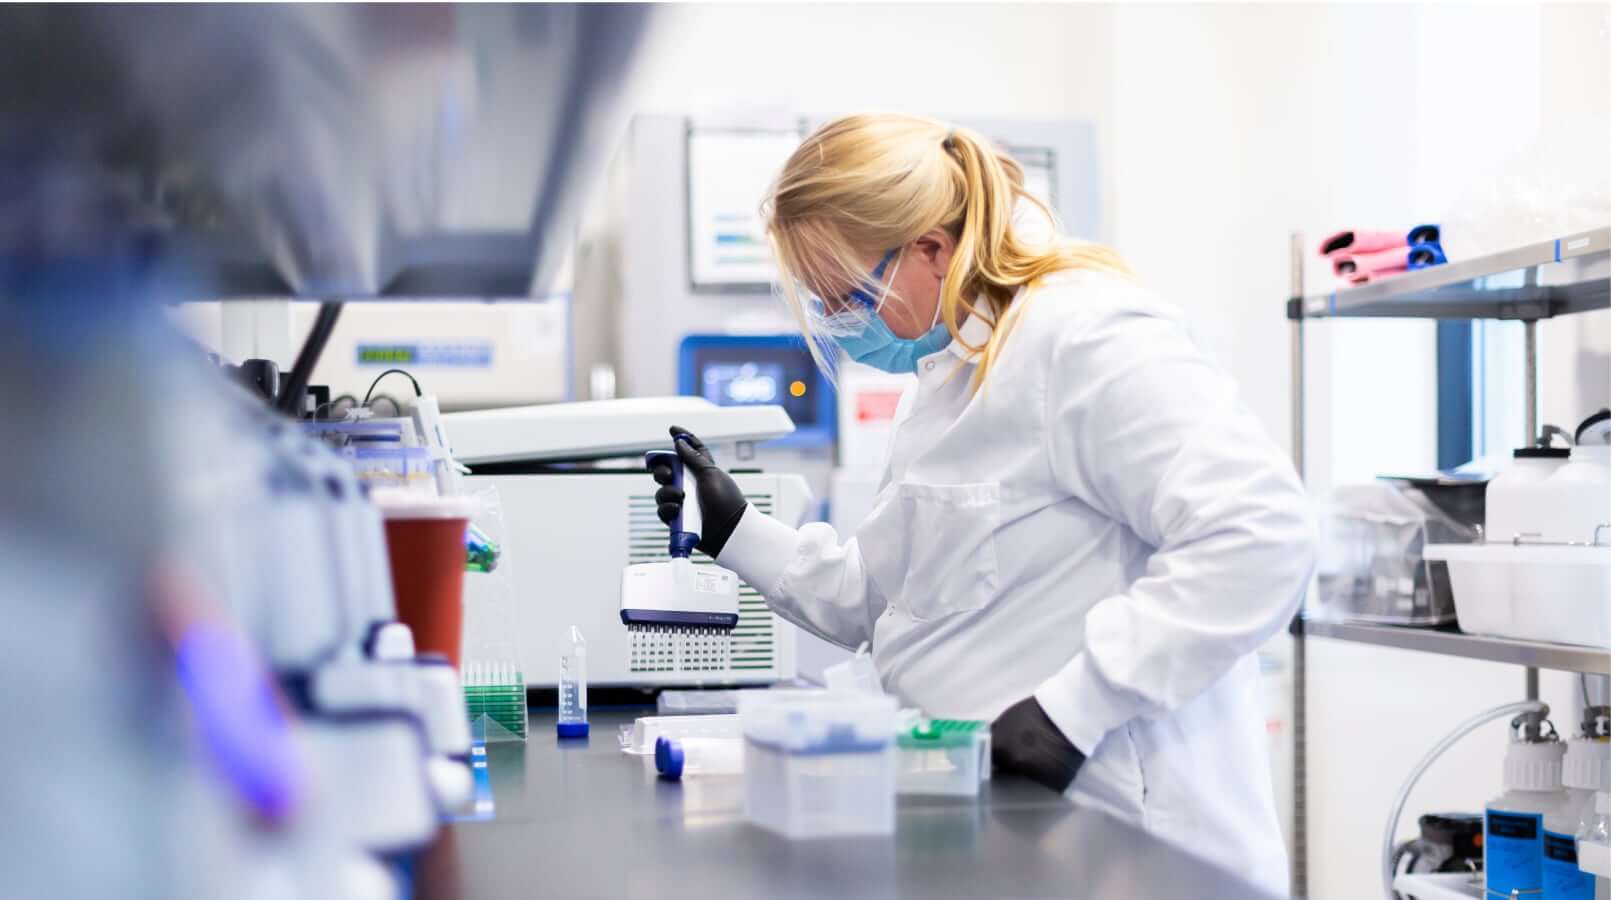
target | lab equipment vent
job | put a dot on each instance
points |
(753, 644)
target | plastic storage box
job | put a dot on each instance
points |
(1372, 566)
(1555, 593)
(819, 764)
(697, 703)
(943, 756)
(639, 738)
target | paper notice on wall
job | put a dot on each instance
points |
(729, 174)
(1040, 171)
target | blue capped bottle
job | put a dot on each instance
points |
(1513, 822)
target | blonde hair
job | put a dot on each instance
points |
(864, 184)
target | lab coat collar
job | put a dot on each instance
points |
(975, 332)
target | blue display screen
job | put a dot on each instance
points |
(746, 375)
(760, 370)
(743, 383)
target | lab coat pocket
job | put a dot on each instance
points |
(932, 547)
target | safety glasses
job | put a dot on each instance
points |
(862, 296)
(848, 314)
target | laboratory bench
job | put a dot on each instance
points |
(582, 819)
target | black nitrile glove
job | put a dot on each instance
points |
(721, 503)
(1025, 741)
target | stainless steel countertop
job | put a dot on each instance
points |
(585, 820)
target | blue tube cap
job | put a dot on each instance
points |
(571, 730)
(1423, 256)
(668, 758)
(1424, 234)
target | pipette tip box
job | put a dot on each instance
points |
(949, 757)
(495, 697)
(819, 764)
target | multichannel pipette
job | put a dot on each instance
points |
(678, 595)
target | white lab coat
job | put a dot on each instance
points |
(1105, 526)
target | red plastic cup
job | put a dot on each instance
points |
(425, 541)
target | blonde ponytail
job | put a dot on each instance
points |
(861, 185)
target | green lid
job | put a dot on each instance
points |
(941, 734)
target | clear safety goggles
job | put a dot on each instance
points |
(850, 314)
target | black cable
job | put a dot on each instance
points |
(369, 393)
(296, 384)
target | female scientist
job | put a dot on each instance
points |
(1082, 535)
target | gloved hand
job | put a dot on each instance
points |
(721, 503)
(1025, 741)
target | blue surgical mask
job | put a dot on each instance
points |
(879, 347)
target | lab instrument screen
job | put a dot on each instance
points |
(739, 374)
(738, 384)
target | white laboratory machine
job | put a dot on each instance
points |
(472, 355)
(572, 527)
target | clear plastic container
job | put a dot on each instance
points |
(1563, 594)
(495, 695)
(403, 467)
(697, 703)
(368, 433)
(639, 738)
(950, 757)
(819, 764)
(1531, 592)
(674, 758)
(1594, 845)
(572, 722)
(1372, 568)
(1586, 774)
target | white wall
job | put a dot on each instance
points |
(976, 61)
(1002, 60)
(1575, 87)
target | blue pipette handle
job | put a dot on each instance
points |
(682, 542)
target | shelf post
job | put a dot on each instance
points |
(1530, 366)
(1297, 355)
(1530, 415)
(1300, 706)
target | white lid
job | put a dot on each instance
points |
(392, 641)
(600, 429)
(813, 722)
(403, 503)
(1534, 767)
(1587, 765)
